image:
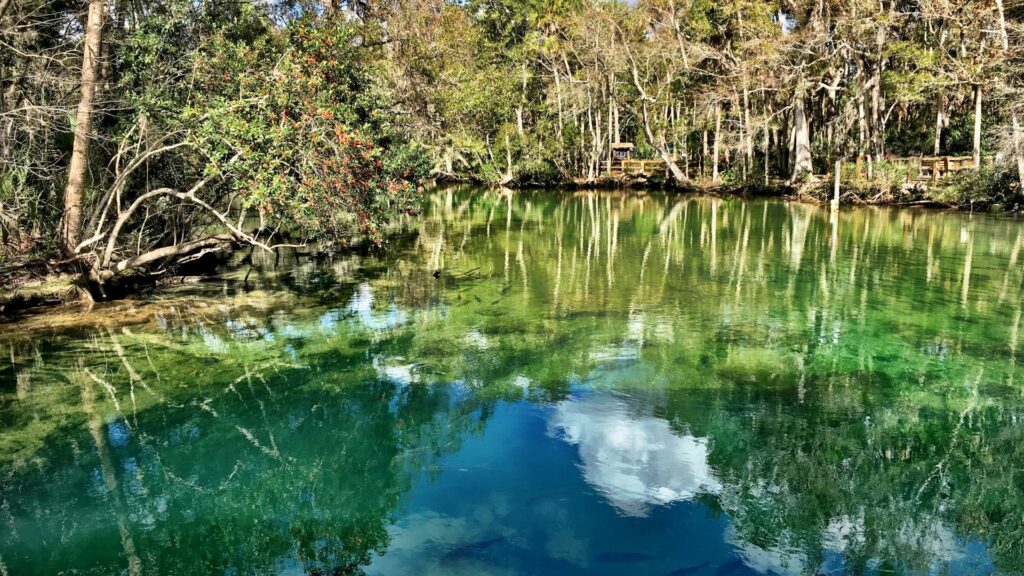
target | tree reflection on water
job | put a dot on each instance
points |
(835, 389)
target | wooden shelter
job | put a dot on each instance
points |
(621, 162)
(621, 152)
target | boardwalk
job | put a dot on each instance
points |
(919, 168)
(933, 168)
(638, 167)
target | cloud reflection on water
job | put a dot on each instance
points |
(636, 461)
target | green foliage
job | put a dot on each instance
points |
(887, 179)
(292, 123)
(977, 189)
(910, 76)
(289, 118)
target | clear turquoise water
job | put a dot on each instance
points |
(594, 384)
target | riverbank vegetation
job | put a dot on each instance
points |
(197, 127)
(140, 135)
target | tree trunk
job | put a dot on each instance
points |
(611, 136)
(558, 96)
(939, 119)
(519, 110)
(618, 130)
(767, 146)
(71, 228)
(837, 171)
(748, 135)
(862, 116)
(509, 172)
(157, 254)
(1018, 149)
(1016, 136)
(878, 128)
(704, 151)
(977, 127)
(718, 138)
(801, 140)
(685, 145)
(659, 145)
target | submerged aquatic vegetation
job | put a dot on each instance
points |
(589, 376)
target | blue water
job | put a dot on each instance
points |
(590, 486)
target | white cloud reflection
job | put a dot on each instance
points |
(428, 543)
(778, 560)
(361, 305)
(636, 461)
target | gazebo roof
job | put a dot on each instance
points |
(622, 146)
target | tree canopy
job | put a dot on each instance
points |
(138, 134)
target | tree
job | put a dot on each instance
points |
(71, 230)
(287, 127)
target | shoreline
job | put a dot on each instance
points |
(32, 288)
(817, 190)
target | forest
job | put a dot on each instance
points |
(138, 135)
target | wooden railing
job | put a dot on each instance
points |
(637, 167)
(919, 168)
(931, 168)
